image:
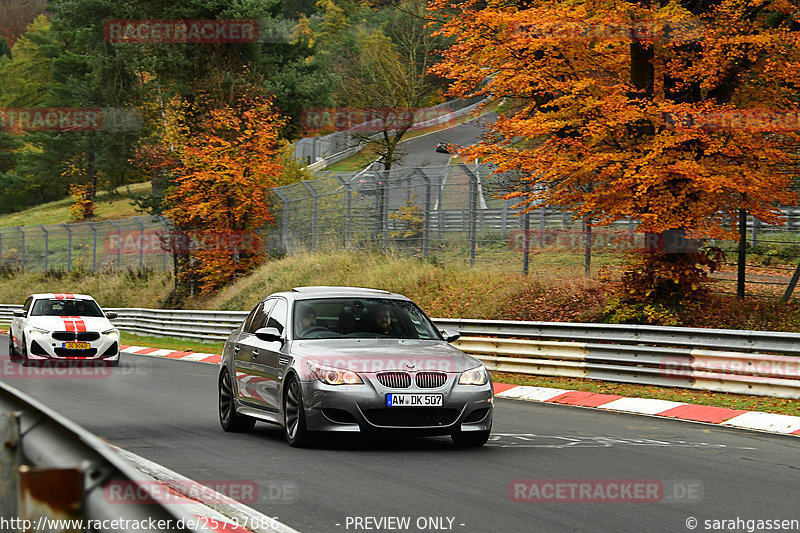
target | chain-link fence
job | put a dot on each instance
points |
(135, 243)
(449, 213)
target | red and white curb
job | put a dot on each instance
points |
(737, 418)
(172, 354)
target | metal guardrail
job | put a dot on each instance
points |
(41, 446)
(741, 361)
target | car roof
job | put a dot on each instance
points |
(325, 291)
(61, 296)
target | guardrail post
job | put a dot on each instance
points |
(22, 248)
(9, 462)
(314, 215)
(94, 246)
(119, 243)
(46, 244)
(141, 243)
(69, 247)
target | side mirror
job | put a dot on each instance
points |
(268, 334)
(19, 313)
(111, 315)
(450, 336)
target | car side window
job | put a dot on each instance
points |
(277, 319)
(258, 316)
(27, 306)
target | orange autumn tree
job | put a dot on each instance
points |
(221, 195)
(677, 114)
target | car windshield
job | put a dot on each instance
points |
(54, 307)
(331, 318)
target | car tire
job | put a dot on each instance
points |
(470, 439)
(116, 361)
(24, 352)
(229, 419)
(12, 350)
(294, 417)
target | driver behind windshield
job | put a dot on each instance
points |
(308, 318)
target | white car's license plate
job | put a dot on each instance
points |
(414, 400)
(75, 345)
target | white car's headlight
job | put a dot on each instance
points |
(38, 331)
(334, 376)
(474, 376)
(112, 332)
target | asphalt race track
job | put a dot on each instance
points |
(166, 411)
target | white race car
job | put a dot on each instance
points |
(63, 327)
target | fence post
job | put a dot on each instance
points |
(542, 225)
(348, 210)
(473, 215)
(141, 243)
(46, 244)
(587, 249)
(69, 247)
(504, 219)
(756, 227)
(94, 246)
(526, 241)
(384, 211)
(426, 223)
(119, 241)
(314, 215)
(22, 255)
(285, 219)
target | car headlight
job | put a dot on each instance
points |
(112, 331)
(334, 376)
(474, 376)
(39, 331)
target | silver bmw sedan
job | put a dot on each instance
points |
(347, 359)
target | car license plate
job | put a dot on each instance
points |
(414, 400)
(75, 345)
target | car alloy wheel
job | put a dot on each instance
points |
(294, 417)
(229, 419)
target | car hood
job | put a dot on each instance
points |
(375, 355)
(57, 323)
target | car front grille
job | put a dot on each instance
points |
(394, 380)
(63, 352)
(411, 417)
(430, 380)
(85, 336)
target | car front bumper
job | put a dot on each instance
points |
(362, 408)
(43, 347)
